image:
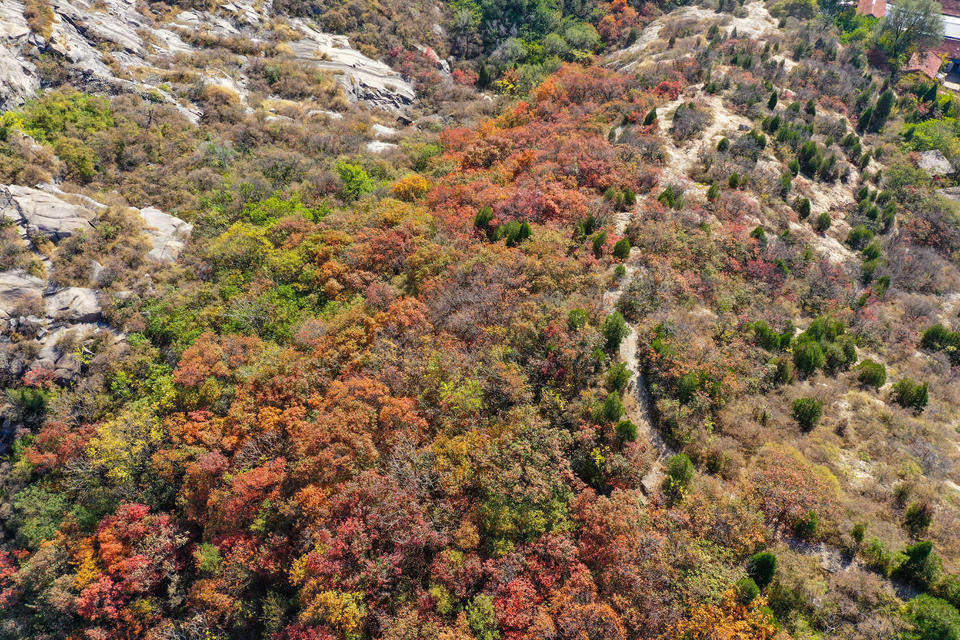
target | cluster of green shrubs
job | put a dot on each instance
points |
(824, 345)
(514, 231)
(909, 394)
(622, 199)
(939, 338)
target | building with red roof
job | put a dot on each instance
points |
(875, 8)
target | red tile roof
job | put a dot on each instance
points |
(951, 7)
(927, 63)
(877, 8)
(950, 48)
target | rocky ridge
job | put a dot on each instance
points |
(122, 45)
(44, 326)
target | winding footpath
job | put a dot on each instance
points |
(636, 401)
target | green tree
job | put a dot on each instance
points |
(356, 181)
(882, 110)
(808, 356)
(622, 249)
(806, 411)
(615, 329)
(680, 472)
(931, 619)
(611, 410)
(910, 24)
(921, 566)
(618, 376)
(872, 374)
(482, 618)
(746, 590)
(823, 222)
(762, 567)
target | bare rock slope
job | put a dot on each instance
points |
(143, 45)
(43, 325)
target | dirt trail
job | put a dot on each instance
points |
(637, 402)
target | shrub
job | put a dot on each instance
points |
(356, 181)
(802, 207)
(878, 558)
(858, 532)
(806, 525)
(772, 101)
(680, 471)
(939, 338)
(907, 393)
(918, 517)
(783, 371)
(746, 589)
(872, 374)
(823, 222)
(723, 145)
(626, 432)
(650, 118)
(622, 249)
(807, 412)
(687, 386)
(808, 356)
(921, 566)
(411, 187)
(615, 329)
(931, 619)
(713, 191)
(949, 590)
(577, 318)
(761, 567)
(734, 180)
(618, 376)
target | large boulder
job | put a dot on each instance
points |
(167, 234)
(18, 77)
(73, 304)
(40, 212)
(17, 287)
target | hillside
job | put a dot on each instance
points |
(492, 320)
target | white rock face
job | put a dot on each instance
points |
(377, 146)
(16, 288)
(18, 77)
(167, 233)
(73, 304)
(35, 316)
(143, 48)
(37, 211)
(934, 162)
(362, 78)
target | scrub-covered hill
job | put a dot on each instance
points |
(517, 320)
